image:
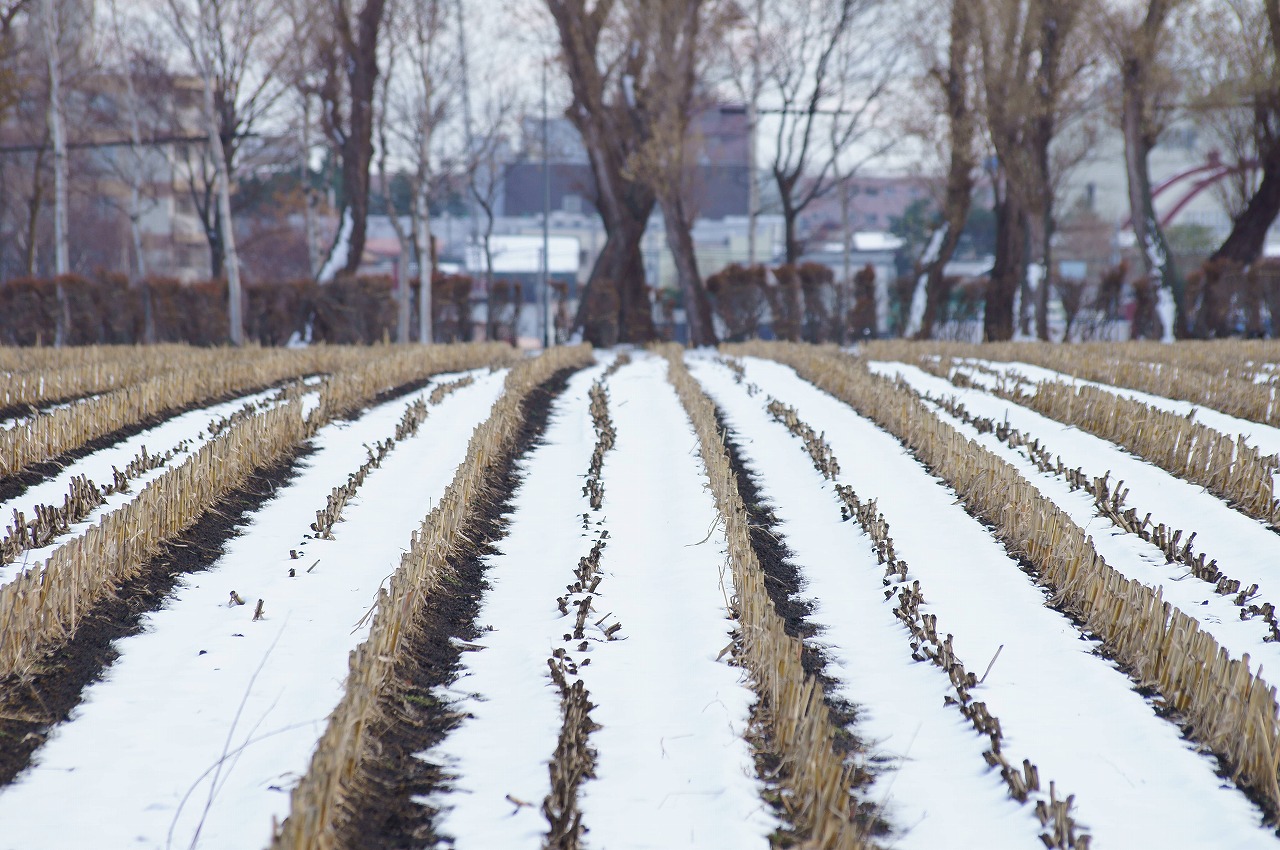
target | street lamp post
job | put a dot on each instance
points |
(548, 327)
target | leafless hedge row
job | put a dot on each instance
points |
(77, 311)
(1224, 706)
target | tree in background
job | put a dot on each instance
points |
(1240, 96)
(239, 49)
(950, 82)
(1029, 60)
(347, 53)
(607, 80)
(1139, 45)
(827, 67)
(681, 32)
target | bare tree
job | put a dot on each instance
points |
(607, 80)
(402, 236)
(952, 78)
(240, 49)
(677, 30)
(1240, 84)
(418, 105)
(828, 65)
(1138, 42)
(348, 53)
(487, 167)
(1025, 48)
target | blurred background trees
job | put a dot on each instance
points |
(649, 168)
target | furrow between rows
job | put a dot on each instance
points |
(1090, 730)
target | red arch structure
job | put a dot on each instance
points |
(1210, 172)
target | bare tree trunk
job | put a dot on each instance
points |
(354, 137)
(615, 306)
(402, 264)
(1157, 259)
(1248, 234)
(34, 205)
(308, 192)
(845, 285)
(790, 222)
(62, 264)
(426, 261)
(753, 129)
(1046, 257)
(697, 306)
(230, 261)
(959, 192)
(1009, 270)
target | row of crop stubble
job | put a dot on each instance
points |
(42, 607)
(1224, 706)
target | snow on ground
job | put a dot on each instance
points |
(1137, 782)
(673, 769)
(98, 466)
(209, 717)
(512, 706)
(938, 784)
(1264, 437)
(1244, 548)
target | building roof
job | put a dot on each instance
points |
(523, 255)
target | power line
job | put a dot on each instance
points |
(155, 141)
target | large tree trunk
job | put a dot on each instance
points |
(697, 306)
(1249, 231)
(1157, 259)
(1009, 270)
(360, 57)
(614, 306)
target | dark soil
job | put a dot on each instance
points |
(30, 707)
(384, 813)
(782, 576)
(12, 486)
(783, 583)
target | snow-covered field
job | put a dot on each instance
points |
(611, 573)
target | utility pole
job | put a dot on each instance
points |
(548, 327)
(753, 132)
(472, 211)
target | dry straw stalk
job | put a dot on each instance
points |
(819, 779)
(1224, 706)
(41, 608)
(320, 804)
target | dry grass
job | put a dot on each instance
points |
(1222, 375)
(42, 607)
(1224, 706)
(816, 775)
(318, 804)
